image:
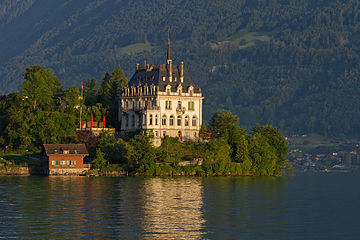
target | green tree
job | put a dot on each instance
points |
(275, 139)
(224, 124)
(39, 87)
(72, 98)
(90, 92)
(264, 159)
(99, 162)
(142, 155)
(116, 150)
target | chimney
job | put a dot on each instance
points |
(137, 67)
(182, 71)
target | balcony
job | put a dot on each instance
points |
(139, 109)
(181, 109)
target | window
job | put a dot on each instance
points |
(127, 120)
(195, 134)
(67, 162)
(163, 78)
(179, 91)
(194, 121)
(171, 120)
(191, 106)
(156, 133)
(57, 162)
(156, 119)
(74, 162)
(167, 104)
(191, 92)
(53, 163)
(179, 104)
(168, 91)
(151, 119)
(187, 121)
(179, 121)
(163, 120)
(133, 121)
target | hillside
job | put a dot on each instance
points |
(290, 63)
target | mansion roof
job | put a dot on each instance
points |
(159, 76)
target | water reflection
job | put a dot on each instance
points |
(245, 207)
(319, 207)
(173, 208)
(100, 208)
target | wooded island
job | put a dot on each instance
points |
(44, 113)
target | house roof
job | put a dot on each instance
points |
(153, 75)
(69, 149)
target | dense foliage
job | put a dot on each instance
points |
(289, 63)
(44, 113)
(228, 151)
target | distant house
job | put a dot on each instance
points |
(64, 159)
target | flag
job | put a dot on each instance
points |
(104, 121)
(92, 121)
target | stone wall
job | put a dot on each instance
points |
(14, 170)
(67, 171)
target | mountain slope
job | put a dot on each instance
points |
(294, 64)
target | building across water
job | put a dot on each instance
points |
(163, 100)
(64, 159)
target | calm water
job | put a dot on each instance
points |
(301, 207)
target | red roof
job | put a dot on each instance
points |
(70, 149)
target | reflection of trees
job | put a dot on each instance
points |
(173, 208)
(100, 208)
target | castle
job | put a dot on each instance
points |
(163, 100)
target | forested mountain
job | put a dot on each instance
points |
(291, 63)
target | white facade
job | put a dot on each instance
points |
(162, 100)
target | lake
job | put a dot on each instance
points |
(301, 207)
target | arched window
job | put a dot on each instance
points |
(151, 120)
(179, 120)
(133, 121)
(163, 120)
(186, 121)
(127, 121)
(171, 120)
(194, 121)
(156, 119)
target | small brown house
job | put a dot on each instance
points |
(64, 159)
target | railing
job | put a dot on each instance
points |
(141, 108)
(181, 109)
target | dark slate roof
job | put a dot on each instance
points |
(74, 149)
(153, 75)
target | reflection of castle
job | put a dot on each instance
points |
(162, 99)
(172, 208)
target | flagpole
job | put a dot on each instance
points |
(81, 98)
